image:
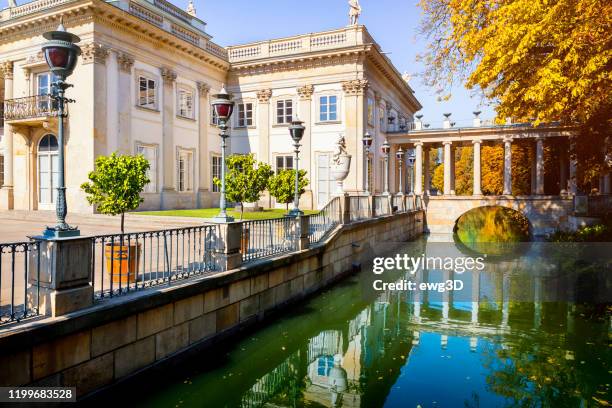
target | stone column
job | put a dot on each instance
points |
(263, 130)
(418, 169)
(447, 167)
(452, 169)
(203, 156)
(563, 167)
(393, 169)
(507, 166)
(539, 166)
(96, 54)
(306, 159)
(426, 169)
(573, 167)
(6, 193)
(354, 108)
(477, 188)
(168, 153)
(124, 102)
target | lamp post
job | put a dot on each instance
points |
(386, 148)
(400, 158)
(367, 142)
(61, 54)
(224, 107)
(297, 131)
(411, 160)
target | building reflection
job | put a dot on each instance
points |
(356, 359)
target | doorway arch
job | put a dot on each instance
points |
(48, 171)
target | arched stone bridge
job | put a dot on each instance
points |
(545, 213)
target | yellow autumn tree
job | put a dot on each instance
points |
(548, 60)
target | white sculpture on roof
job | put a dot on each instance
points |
(354, 12)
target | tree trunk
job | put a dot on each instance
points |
(122, 223)
(241, 210)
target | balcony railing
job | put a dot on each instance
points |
(36, 106)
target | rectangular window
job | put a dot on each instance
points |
(284, 163)
(214, 119)
(185, 171)
(147, 97)
(185, 103)
(150, 153)
(328, 108)
(44, 86)
(216, 172)
(1, 170)
(245, 114)
(284, 111)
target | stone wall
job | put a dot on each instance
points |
(111, 341)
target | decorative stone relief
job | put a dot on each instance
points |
(203, 88)
(94, 53)
(264, 95)
(355, 87)
(168, 76)
(306, 92)
(125, 61)
(35, 59)
(6, 69)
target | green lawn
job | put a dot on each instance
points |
(212, 212)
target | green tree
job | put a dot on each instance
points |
(245, 179)
(116, 183)
(282, 186)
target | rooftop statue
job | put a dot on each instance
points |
(354, 12)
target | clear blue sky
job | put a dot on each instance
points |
(392, 23)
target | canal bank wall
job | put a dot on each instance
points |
(102, 345)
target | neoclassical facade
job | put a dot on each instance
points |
(143, 85)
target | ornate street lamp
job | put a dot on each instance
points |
(400, 158)
(224, 107)
(61, 54)
(367, 143)
(411, 160)
(297, 131)
(386, 148)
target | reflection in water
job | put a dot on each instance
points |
(354, 347)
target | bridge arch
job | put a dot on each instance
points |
(545, 213)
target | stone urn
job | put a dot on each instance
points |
(340, 170)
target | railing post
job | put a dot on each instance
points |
(345, 209)
(65, 275)
(226, 253)
(303, 228)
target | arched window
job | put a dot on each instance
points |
(47, 171)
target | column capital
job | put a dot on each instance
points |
(264, 95)
(477, 141)
(306, 92)
(168, 76)
(447, 143)
(419, 143)
(6, 69)
(125, 61)
(355, 87)
(507, 139)
(94, 53)
(203, 89)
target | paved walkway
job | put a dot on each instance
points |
(18, 225)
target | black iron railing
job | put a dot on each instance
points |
(326, 220)
(19, 281)
(30, 107)
(135, 261)
(264, 238)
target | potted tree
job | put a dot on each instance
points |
(245, 181)
(114, 188)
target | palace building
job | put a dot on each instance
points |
(144, 85)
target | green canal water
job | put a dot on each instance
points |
(531, 330)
